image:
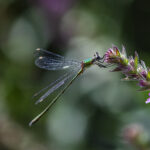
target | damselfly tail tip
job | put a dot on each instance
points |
(33, 121)
(30, 123)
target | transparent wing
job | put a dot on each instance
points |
(56, 84)
(51, 61)
(50, 85)
(42, 52)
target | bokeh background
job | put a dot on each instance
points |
(99, 111)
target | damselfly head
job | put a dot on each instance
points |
(97, 57)
(99, 60)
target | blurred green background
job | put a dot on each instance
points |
(99, 111)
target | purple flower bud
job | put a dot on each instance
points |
(143, 73)
(148, 100)
(112, 55)
(142, 83)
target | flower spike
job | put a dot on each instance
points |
(132, 68)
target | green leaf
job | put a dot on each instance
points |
(148, 75)
(136, 60)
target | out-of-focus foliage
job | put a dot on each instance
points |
(99, 111)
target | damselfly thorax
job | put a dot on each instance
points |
(95, 60)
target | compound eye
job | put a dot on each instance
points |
(97, 54)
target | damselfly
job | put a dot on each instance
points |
(51, 61)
